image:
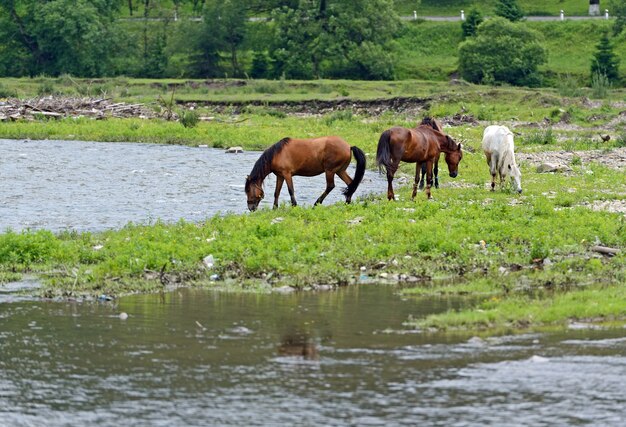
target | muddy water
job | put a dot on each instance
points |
(343, 358)
(92, 186)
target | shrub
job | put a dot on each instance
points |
(27, 247)
(502, 52)
(189, 118)
(471, 23)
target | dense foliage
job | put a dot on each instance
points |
(272, 39)
(471, 23)
(509, 9)
(502, 51)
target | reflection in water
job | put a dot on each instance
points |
(298, 345)
(92, 186)
(200, 358)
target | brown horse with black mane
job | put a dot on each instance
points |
(422, 146)
(305, 157)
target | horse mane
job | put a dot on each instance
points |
(262, 166)
(449, 143)
(431, 122)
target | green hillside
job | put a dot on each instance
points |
(428, 49)
(453, 7)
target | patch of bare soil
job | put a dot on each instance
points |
(372, 107)
(614, 159)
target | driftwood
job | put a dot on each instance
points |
(60, 107)
(605, 250)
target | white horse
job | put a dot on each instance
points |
(500, 152)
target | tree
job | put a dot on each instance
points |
(618, 9)
(59, 36)
(334, 38)
(471, 23)
(509, 9)
(211, 47)
(605, 61)
(502, 52)
(223, 29)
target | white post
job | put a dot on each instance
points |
(606, 13)
(415, 15)
(462, 15)
(562, 15)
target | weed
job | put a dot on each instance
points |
(6, 92)
(600, 85)
(340, 115)
(189, 118)
(540, 136)
(46, 88)
(569, 86)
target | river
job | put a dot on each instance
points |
(93, 186)
(341, 358)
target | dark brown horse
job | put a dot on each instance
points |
(305, 157)
(421, 145)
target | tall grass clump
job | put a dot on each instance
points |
(6, 92)
(540, 137)
(189, 118)
(600, 85)
(569, 86)
(341, 115)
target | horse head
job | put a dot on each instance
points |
(516, 176)
(254, 192)
(453, 156)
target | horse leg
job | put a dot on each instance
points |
(289, 181)
(345, 178)
(423, 177)
(436, 172)
(418, 169)
(429, 177)
(493, 166)
(391, 170)
(330, 184)
(279, 186)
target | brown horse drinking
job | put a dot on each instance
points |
(421, 145)
(305, 157)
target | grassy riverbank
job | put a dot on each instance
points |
(528, 257)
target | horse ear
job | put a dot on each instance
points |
(459, 147)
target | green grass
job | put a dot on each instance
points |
(593, 304)
(487, 7)
(425, 7)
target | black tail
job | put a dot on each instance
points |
(359, 155)
(383, 152)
